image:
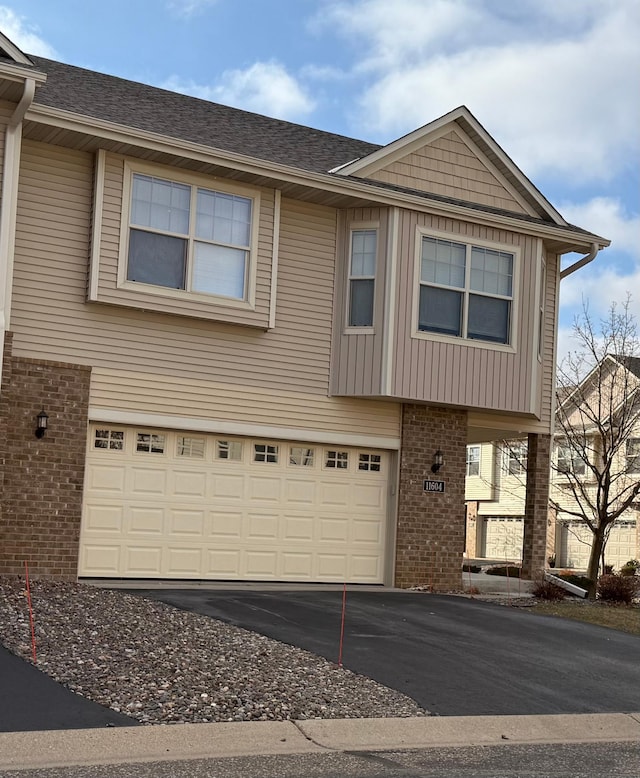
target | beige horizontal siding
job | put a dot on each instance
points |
(482, 486)
(447, 166)
(52, 320)
(157, 394)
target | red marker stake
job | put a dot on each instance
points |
(344, 607)
(33, 632)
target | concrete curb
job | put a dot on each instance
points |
(27, 750)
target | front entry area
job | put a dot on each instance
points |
(184, 505)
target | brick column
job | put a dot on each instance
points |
(536, 507)
(42, 478)
(430, 531)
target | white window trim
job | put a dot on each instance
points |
(354, 227)
(426, 232)
(479, 447)
(192, 180)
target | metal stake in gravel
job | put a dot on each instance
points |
(344, 607)
(33, 632)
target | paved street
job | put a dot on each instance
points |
(455, 656)
(590, 760)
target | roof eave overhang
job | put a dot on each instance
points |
(564, 240)
(17, 73)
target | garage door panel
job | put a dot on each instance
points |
(104, 518)
(106, 479)
(146, 520)
(183, 562)
(298, 528)
(186, 522)
(146, 481)
(177, 516)
(576, 539)
(143, 560)
(186, 483)
(226, 525)
(262, 527)
(228, 486)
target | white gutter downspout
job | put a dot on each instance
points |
(581, 262)
(9, 205)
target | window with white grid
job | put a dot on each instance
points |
(112, 440)
(338, 460)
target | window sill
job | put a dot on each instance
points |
(359, 331)
(215, 301)
(485, 344)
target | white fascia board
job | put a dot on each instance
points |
(322, 181)
(243, 429)
(16, 73)
(13, 51)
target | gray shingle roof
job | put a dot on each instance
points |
(631, 363)
(132, 104)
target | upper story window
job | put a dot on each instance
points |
(541, 301)
(633, 455)
(515, 459)
(569, 460)
(362, 275)
(466, 291)
(473, 460)
(186, 237)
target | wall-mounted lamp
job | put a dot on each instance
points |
(41, 424)
(438, 461)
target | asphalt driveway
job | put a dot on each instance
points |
(453, 655)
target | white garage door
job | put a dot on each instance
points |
(503, 538)
(576, 544)
(164, 504)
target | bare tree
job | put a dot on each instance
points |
(596, 467)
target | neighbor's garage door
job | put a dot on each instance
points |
(576, 544)
(503, 538)
(162, 504)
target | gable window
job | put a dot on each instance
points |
(473, 460)
(633, 455)
(466, 291)
(189, 238)
(362, 274)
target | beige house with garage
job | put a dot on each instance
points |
(236, 348)
(496, 487)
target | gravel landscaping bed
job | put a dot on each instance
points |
(161, 665)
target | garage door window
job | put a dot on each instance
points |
(263, 452)
(150, 443)
(369, 462)
(112, 440)
(299, 456)
(190, 447)
(229, 449)
(338, 460)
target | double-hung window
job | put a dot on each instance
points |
(466, 291)
(362, 275)
(633, 455)
(569, 459)
(473, 460)
(188, 237)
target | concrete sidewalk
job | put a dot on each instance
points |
(32, 750)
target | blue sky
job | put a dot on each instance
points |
(554, 81)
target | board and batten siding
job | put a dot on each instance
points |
(447, 166)
(357, 353)
(52, 319)
(464, 373)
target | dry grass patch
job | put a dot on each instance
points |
(625, 618)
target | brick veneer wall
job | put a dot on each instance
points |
(536, 505)
(430, 533)
(42, 479)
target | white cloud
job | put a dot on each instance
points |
(606, 216)
(264, 87)
(554, 87)
(189, 8)
(24, 35)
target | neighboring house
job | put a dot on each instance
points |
(255, 341)
(496, 487)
